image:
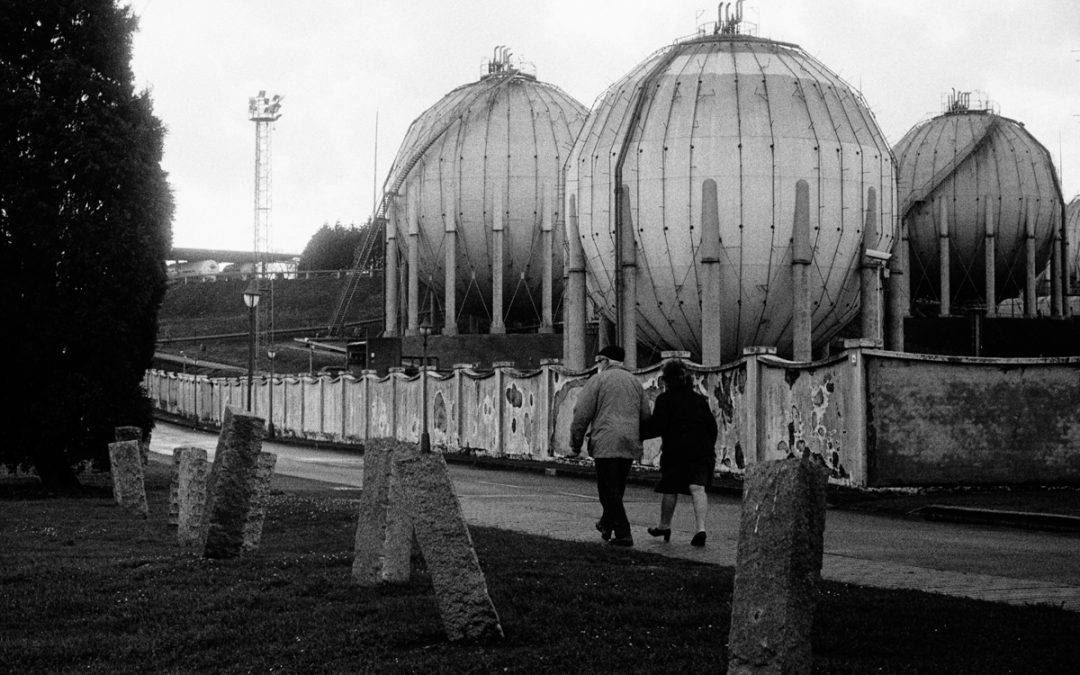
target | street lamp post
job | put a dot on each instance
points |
(270, 354)
(425, 438)
(251, 299)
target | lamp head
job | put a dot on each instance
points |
(251, 294)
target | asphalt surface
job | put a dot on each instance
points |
(1016, 566)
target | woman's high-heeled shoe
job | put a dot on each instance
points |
(664, 532)
(699, 539)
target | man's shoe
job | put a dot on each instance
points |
(605, 533)
(621, 541)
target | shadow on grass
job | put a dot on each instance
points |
(84, 587)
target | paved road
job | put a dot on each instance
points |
(1004, 565)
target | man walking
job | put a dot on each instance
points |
(613, 405)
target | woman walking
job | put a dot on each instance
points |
(684, 422)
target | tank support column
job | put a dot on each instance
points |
(801, 257)
(870, 290)
(390, 280)
(575, 294)
(545, 268)
(944, 308)
(990, 261)
(628, 280)
(1029, 267)
(497, 325)
(1064, 269)
(1055, 275)
(413, 327)
(899, 289)
(711, 343)
(450, 292)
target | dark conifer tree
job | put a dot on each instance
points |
(85, 226)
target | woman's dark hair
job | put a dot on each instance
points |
(675, 374)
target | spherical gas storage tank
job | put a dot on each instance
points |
(497, 144)
(974, 165)
(1072, 221)
(755, 116)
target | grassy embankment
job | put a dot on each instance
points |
(202, 310)
(85, 588)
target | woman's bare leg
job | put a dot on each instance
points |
(701, 505)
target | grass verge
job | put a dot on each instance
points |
(85, 588)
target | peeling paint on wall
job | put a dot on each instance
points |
(925, 420)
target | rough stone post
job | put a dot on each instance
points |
(424, 487)
(260, 495)
(383, 544)
(230, 487)
(174, 488)
(191, 495)
(778, 568)
(132, 433)
(129, 488)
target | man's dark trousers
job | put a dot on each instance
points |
(611, 477)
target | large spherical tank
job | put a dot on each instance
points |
(1072, 220)
(498, 143)
(756, 116)
(977, 165)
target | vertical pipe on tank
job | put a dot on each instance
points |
(413, 326)
(1029, 267)
(628, 278)
(575, 293)
(710, 263)
(899, 289)
(943, 261)
(450, 291)
(545, 267)
(1055, 275)
(390, 279)
(990, 261)
(870, 289)
(1064, 269)
(801, 257)
(497, 325)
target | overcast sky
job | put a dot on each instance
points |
(338, 63)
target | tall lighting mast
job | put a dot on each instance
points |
(263, 110)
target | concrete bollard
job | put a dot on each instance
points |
(129, 487)
(383, 544)
(422, 484)
(230, 487)
(191, 495)
(778, 568)
(260, 494)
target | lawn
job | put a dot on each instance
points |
(85, 588)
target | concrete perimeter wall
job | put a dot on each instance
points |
(874, 418)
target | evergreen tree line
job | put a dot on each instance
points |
(334, 248)
(85, 227)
